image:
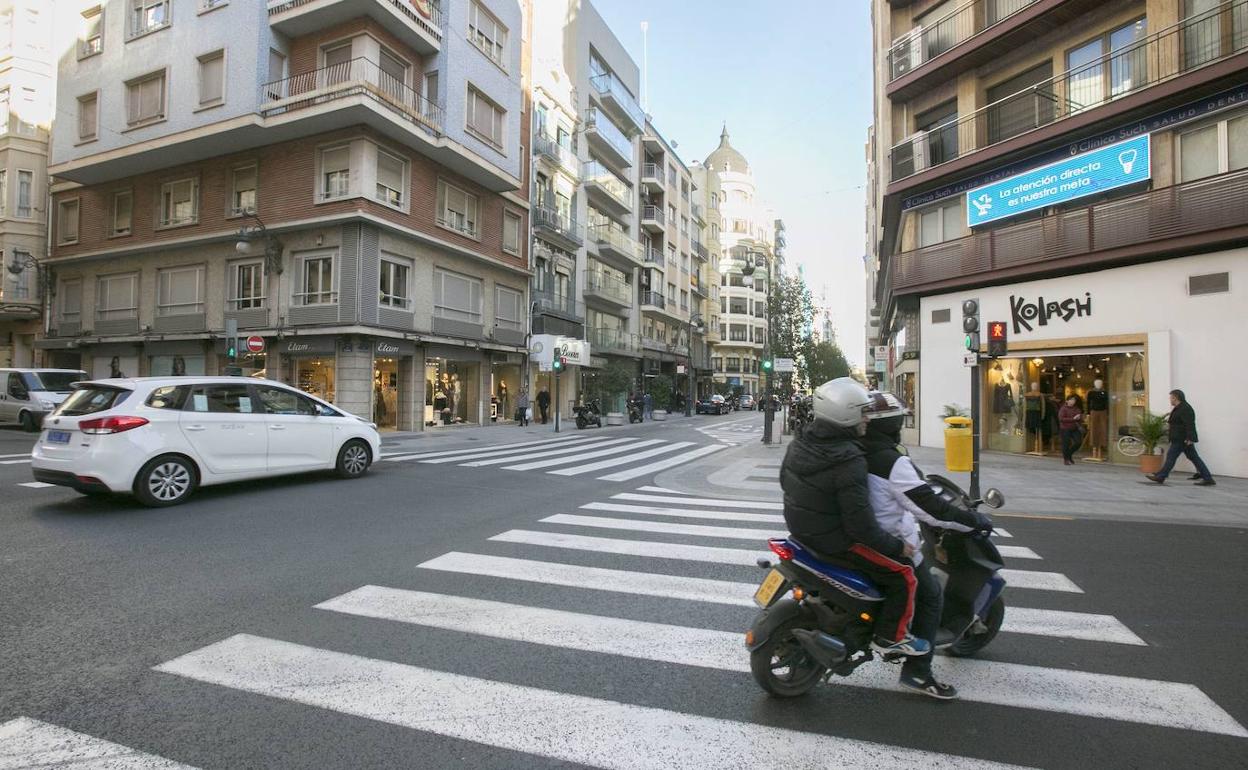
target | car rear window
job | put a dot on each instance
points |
(54, 382)
(169, 397)
(91, 399)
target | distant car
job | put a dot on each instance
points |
(161, 437)
(747, 401)
(29, 395)
(713, 405)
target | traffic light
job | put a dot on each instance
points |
(998, 344)
(558, 363)
(766, 364)
(231, 340)
(970, 324)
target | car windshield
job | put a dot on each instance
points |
(54, 382)
(91, 399)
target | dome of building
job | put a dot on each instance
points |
(726, 158)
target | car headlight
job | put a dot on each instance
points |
(46, 404)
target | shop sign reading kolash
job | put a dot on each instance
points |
(1040, 312)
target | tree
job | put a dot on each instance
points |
(790, 314)
(824, 361)
(661, 388)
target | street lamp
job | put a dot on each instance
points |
(20, 261)
(259, 233)
(753, 260)
(695, 319)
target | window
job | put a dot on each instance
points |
(485, 119)
(145, 99)
(1215, 148)
(208, 5)
(21, 281)
(1214, 28)
(222, 399)
(123, 202)
(281, 401)
(180, 291)
(67, 222)
(393, 74)
(117, 297)
(940, 223)
(277, 66)
(337, 63)
(69, 307)
(25, 191)
(511, 232)
(715, 201)
(487, 33)
(92, 41)
(4, 191)
(456, 297)
(243, 190)
(169, 397)
(335, 173)
(316, 281)
(1091, 81)
(395, 283)
(246, 285)
(391, 178)
(88, 116)
(940, 133)
(179, 203)
(457, 210)
(147, 16)
(508, 308)
(1017, 106)
(431, 87)
(212, 78)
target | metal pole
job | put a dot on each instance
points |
(770, 413)
(556, 400)
(974, 491)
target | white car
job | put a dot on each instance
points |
(161, 437)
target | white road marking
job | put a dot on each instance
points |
(1017, 552)
(686, 513)
(605, 733)
(14, 462)
(498, 447)
(1040, 581)
(1146, 701)
(29, 743)
(503, 454)
(35, 484)
(590, 468)
(1070, 625)
(660, 490)
(998, 532)
(662, 465)
(19, 454)
(698, 553)
(625, 446)
(663, 527)
(722, 503)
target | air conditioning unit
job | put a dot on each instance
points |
(918, 146)
(907, 52)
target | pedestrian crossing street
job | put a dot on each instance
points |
(613, 733)
(578, 454)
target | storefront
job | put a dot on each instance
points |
(1139, 331)
(505, 382)
(453, 386)
(393, 384)
(176, 359)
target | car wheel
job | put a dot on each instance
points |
(28, 422)
(353, 459)
(165, 481)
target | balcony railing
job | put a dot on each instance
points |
(610, 133)
(613, 237)
(551, 220)
(653, 214)
(1192, 43)
(619, 190)
(699, 250)
(611, 339)
(557, 303)
(967, 20)
(654, 257)
(1187, 210)
(358, 77)
(432, 24)
(653, 299)
(562, 156)
(652, 172)
(598, 282)
(607, 84)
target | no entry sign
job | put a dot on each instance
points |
(255, 344)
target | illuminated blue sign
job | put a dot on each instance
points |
(1088, 173)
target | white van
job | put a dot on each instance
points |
(28, 395)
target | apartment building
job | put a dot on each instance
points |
(1081, 169)
(27, 81)
(347, 183)
(709, 194)
(747, 236)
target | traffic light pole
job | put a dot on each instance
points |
(975, 410)
(557, 373)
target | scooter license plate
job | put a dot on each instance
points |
(772, 585)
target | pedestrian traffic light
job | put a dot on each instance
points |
(970, 324)
(766, 366)
(558, 363)
(231, 340)
(998, 344)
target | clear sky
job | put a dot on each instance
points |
(793, 80)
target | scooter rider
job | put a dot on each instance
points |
(826, 507)
(899, 496)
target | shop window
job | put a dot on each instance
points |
(508, 308)
(316, 281)
(335, 172)
(396, 283)
(117, 297)
(123, 204)
(456, 297)
(1214, 148)
(246, 285)
(180, 291)
(243, 190)
(940, 223)
(391, 179)
(179, 203)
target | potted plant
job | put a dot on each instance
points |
(661, 392)
(1153, 429)
(614, 384)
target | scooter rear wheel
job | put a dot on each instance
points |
(782, 666)
(972, 642)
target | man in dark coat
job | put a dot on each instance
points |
(1183, 442)
(543, 403)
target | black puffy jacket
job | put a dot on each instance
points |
(826, 504)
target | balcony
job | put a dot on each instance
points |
(611, 193)
(606, 288)
(654, 257)
(558, 304)
(699, 250)
(618, 101)
(699, 215)
(1184, 218)
(612, 341)
(562, 157)
(419, 23)
(652, 177)
(605, 137)
(1084, 94)
(563, 230)
(695, 284)
(652, 300)
(615, 245)
(652, 219)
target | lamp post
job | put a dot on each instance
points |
(19, 263)
(695, 319)
(754, 259)
(259, 233)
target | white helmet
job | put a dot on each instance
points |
(841, 402)
(885, 404)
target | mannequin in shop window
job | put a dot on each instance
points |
(1036, 410)
(1003, 399)
(440, 407)
(1098, 420)
(452, 397)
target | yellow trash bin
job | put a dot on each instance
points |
(958, 443)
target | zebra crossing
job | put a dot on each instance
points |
(734, 433)
(676, 547)
(578, 454)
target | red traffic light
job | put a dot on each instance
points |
(997, 344)
(996, 330)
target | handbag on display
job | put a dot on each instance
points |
(1137, 375)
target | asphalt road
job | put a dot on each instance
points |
(194, 634)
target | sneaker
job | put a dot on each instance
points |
(1206, 483)
(1155, 477)
(929, 686)
(909, 645)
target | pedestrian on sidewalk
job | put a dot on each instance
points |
(647, 402)
(1183, 440)
(543, 403)
(1069, 420)
(522, 408)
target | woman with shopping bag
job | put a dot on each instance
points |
(522, 408)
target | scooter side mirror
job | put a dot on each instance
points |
(993, 498)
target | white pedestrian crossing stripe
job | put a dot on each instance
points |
(35, 485)
(29, 743)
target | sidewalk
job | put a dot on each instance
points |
(504, 432)
(1036, 486)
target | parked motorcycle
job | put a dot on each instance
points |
(634, 411)
(825, 627)
(588, 414)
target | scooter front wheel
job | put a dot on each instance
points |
(580, 422)
(782, 667)
(972, 641)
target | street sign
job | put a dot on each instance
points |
(255, 344)
(680, 368)
(970, 359)
(784, 365)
